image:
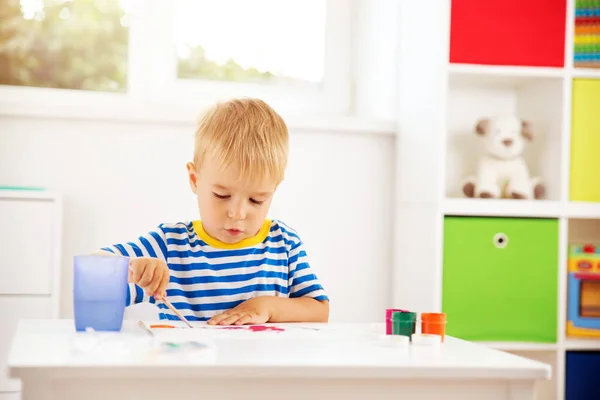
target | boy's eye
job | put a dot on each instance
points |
(256, 202)
(220, 196)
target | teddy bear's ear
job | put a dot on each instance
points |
(526, 130)
(482, 126)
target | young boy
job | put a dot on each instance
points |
(233, 266)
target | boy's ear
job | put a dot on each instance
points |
(192, 176)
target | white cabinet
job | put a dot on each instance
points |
(30, 244)
(26, 237)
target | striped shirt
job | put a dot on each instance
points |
(208, 277)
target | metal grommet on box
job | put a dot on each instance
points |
(500, 240)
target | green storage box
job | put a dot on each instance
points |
(500, 278)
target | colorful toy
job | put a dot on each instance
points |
(502, 171)
(583, 309)
(586, 52)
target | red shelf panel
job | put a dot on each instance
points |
(508, 32)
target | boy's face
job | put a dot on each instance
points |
(230, 210)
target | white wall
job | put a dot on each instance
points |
(120, 179)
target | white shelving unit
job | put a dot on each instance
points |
(439, 104)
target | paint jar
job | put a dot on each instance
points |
(99, 292)
(404, 323)
(433, 324)
(388, 319)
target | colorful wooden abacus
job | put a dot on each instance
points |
(587, 34)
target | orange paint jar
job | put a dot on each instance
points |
(433, 324)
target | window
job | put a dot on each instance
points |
(295, 53)
(262, 41)
(159, 58)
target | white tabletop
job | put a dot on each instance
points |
(301, 351)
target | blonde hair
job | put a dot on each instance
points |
(247, 134)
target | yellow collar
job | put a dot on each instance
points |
(251, 241)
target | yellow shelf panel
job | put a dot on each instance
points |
(585, 141)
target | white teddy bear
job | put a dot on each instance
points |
(502, 171)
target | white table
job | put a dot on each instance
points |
(347, 360)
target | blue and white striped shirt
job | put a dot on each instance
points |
(208, 277)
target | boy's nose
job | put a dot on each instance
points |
(237, 213)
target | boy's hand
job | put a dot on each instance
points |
(151, 274)
(253, 311)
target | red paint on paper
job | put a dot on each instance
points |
(261, 328)
(255, 328)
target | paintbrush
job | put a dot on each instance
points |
(181, 317)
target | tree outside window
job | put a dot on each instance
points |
(64, 44)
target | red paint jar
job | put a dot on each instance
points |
(388, 319)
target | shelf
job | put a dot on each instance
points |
(521, 208)
(570, 344)
(582, 344)
(593, 73)
(476, 93)
(583, 210)
(502, 208)
(520, 346)
(500, 74)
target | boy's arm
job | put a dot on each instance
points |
(150, 245)
(274, 309)
(305, 309)
(307, 300)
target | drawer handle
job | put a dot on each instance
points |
(500, 240)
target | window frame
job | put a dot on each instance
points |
(154, 92)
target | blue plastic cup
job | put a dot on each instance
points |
(100, 292)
